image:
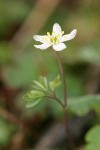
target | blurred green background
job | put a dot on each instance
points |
(21, 63)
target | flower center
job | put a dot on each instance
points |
(55, 38)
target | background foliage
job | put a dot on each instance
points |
(21, 63)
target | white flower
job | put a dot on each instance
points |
(55, 39)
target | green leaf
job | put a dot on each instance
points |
(43, 81)
(39, 86)
(34, 94)
(32, 103)
(92, 147)
(55, 83)
(33, 98)
(93, 138)
(84, 104)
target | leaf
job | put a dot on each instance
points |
(55, 83)
(92, 147)
(93, 138)
(43, 81)
(34, 94)
(84, 104)
(33, 98)
(38, 85)
(41, 85)
(32, 103)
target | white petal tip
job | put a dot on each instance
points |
(56, 28)
(56, 23)
(36, 46)
(34, 37)
(74, 31)
(42, 46)
(72, 34)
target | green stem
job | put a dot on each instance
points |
(68, 134)
(63, 77)
(55, 98)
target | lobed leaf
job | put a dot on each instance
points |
(34, 94)
(55, 83)
(39, 85)
(33, 98)
(43, 81)
(32, 103)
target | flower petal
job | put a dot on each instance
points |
(43, 46)
(56, 29)
(68, 37)
(59, 47)
(42, 39)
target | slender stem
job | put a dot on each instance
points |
(63, 77)
(67, 129)
(68, 134)
(57, 99)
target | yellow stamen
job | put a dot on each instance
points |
(48, 33)
(62, 32)
(53, 39)
(58, 36)
(57, 40)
